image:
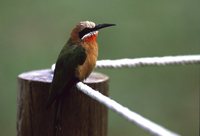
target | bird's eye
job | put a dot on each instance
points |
(84, 32)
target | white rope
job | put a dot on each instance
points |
(125, 112)
(137, 62)
(150, 61)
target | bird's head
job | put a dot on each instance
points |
(87, 31)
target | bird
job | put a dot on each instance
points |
(75, 62)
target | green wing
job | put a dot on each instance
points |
(69, 59)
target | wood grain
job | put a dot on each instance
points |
(81, 116)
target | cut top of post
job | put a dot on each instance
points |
(46, 76)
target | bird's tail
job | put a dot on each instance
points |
(57, 117)
(50, 101)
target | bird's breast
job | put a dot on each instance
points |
(83, 71)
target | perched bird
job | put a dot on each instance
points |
(75, 62)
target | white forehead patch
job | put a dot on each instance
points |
(87, 24)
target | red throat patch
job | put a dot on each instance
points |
(90, 38)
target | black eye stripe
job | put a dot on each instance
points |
(97, 27)
(84, 31)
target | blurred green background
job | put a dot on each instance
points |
(32, 34)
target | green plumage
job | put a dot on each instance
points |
(70, 57)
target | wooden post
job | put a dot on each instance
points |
(82, 116)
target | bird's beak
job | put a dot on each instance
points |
(100, 26)
(96, 28)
